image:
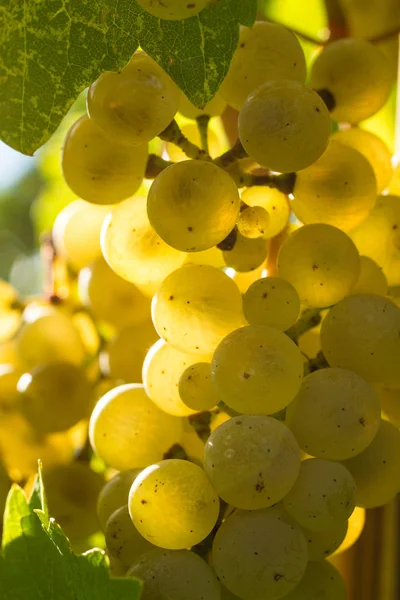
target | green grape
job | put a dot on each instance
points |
(134, 105)
(321, 262)
(173, 505)
(71, 492)
(191, 131)
(55, 396)
(193, 205)
(253, 221)
(76, 233)
(111, 298)
(284, 126)
(128, 431)
(259, 554)
(373, 149)
(173, 10)
(133, 249)
(355, 526)
(124, 542)
(252, 461)
(356, 75)
(214, 108)
(321, 581)
(271, 301)
(115, 494)
(247, 254)
(274, 202)
(49, 337)
(181, 575)
(389, 397)
(99, 170)
(266, 52)
(338, 189)
(371, 280)
(196, 388)
(361, 333)
(376, 470)
(257, 370)
(322, 544)
(335, 415)
(323, 495)
(195, 307)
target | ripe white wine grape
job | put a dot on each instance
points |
(115, 494)
(124, 542)
(274, 202)
(247, 254)
(372, 279)
(321, 581)
(196, 388)
(271, 301)
(253, 221)
(321, 544)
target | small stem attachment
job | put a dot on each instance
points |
(156, 164)
(174, 135)
(284, 183)
(202, 125)
(232, 155)
(201, 424)
(310, 318)
(314, 364)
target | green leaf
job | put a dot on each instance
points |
(50, 50)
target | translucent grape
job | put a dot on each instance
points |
(371, 280)
(338, 189)
(162, 369)
(321, 262)
(284, 126)
(115, 494)
(214, 108)
(99, 170)
(245, 279)
(322, 495)
(257, 370)
(111, 298)
(195, 307)
(253, 221)
(321, 581)
(322, 544)
(173, 10)
(259, 554)
(373, 149)
(55, 396)
(176, 574)
(193, 205)
(335, 415)
(196, 388)
(212, 257)
(266, 52)
(124, 542)
(252, 461)
(376, 470)
(274, 202)
(355, 528)
(361, 333)
(247, 254)
(191, 132)
(173, 505)
(128, 431)
(345, 69)
(133, 249)
(271, 301)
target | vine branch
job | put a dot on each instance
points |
(202, 125)
(174, 135)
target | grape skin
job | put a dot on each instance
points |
(274, 202)
(124, 542)
(271, 301)
(196, 388)
(321, 581)
(114, 494)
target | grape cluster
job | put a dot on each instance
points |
(225, 329)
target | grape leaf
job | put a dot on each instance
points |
(37, 563)
(50, 50)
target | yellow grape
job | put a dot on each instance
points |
(195, 307)
(99, 170)
(274, 202)
(355, 528)
(173, 10)
(371, 280)
(162, 369)
(9, 395)
(193, 205)
(213, 257)
(9, 354)
(322, 495)
(247, 254)
(133, 249)
(76, 233)
(321, 581)
(356, 74)
(271, 301)
(394, 187)
(196, 388)
(124, 542)
(115, 494)
(284, 126)
(134, 105)
(10, 314)
(214, 108)
(126, 352)
(373, 149)
(321, 262)
(340, 426)
(128, 431)
(389, 396)
(253, 221)
(111, 298)
(361, 333)
(375, 470)
(324, 543)
(257, 370)
(244, 280)
(338, 189)
(192, 444)
(266, 52)
(191, 132)
(173, 505)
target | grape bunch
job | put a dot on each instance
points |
(216, 365)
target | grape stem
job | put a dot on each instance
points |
(174, 135)
(311, 317)
(49, 257)
(284, 183)
(202, 125)
(232, 155)
(314, 364)
(156, 164)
